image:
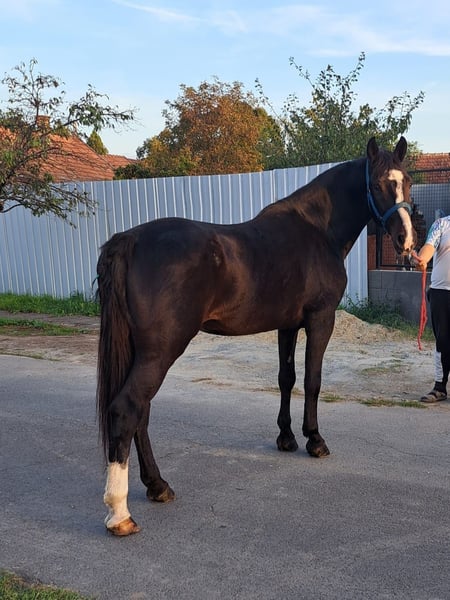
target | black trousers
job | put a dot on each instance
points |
(440, 321)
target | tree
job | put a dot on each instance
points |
(33, 126)
(331, 128)
(135, 170)
(161, 157)
(270, 143)
(217, 128)
(95, 142)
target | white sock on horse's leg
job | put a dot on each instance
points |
(116, 494)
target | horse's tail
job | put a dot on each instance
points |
(115, 349)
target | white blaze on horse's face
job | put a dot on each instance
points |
(397, 176)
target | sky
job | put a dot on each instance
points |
(139, 52)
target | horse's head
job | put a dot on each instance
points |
(388, 186)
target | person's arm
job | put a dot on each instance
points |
(424, 256)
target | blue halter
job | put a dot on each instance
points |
(377, 217)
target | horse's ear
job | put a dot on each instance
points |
(400, 149)
(372, 149)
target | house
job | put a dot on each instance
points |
(433, 168)
(76, 161)
(70, 159)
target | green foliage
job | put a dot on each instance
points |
(95, 142)
(45, 304)
(33, 126)
(386, 315)
(20, 327)
(215, 128)
(331, 128)
(393, 403)
(135, 170)
(15, 588)
(220, 128)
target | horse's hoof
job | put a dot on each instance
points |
(317, 450)
(123, 528)
(167, 495)
(287, 444)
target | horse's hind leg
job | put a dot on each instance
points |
(128, 416)
(123, 419)
(287, 340)
(157, 489)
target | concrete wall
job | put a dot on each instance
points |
(400, 289)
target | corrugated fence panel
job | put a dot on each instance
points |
(356, 265)
(46, 255)
(289, 180)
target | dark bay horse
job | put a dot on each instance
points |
(162, 282)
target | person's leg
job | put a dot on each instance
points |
(438, 372)
(440, 320)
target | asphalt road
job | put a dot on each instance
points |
(370, 522)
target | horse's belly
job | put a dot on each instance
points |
(249, 324)
(222, 328)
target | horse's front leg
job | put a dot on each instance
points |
(319, 328)
(287, 340)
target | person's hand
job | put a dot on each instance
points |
(418, 262)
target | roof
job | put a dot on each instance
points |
(70, 159)
(437, 167)
(76, 161)
(433, 161)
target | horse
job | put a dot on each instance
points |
(162, 282)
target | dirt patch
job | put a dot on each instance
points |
(362, 362)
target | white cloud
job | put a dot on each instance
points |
(25, 9)
(230, 22)
(162, 14)
(323, 29)
(348, 33)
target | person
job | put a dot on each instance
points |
(437, 247)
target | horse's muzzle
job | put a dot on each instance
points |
(404, 243)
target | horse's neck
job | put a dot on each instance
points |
(347, 191)
(335, 202)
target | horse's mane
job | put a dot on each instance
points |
(309, 197)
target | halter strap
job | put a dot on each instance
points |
(377, 217)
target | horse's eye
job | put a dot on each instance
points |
(377, 187)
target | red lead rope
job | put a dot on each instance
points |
(423, 305)
(423, 309)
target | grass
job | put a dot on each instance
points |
(330, 398)
(16, 588)
(20, 327)
(45, 305)
(77, 304)
(399, 403)
(386, 315)
(386, 366)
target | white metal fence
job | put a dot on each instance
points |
(45, 255)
